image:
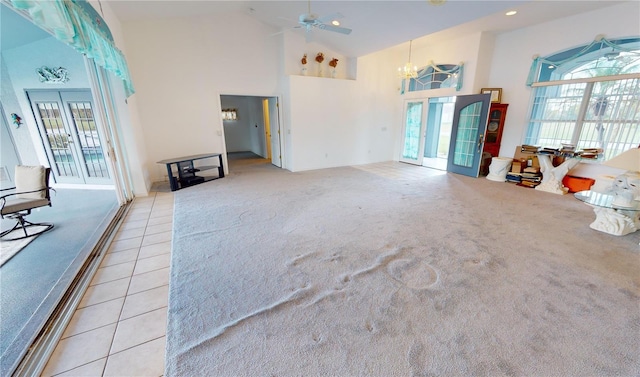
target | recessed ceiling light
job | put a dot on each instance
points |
(335, 23)
(511, 13)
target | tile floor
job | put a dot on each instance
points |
(399, 171)
(119, 327)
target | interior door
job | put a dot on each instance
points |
(467, 134)
(70, 136)
(274, 133)
(413, 132)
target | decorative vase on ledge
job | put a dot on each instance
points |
(319, 59)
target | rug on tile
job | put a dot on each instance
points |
(345, 272)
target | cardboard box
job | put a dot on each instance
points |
(532, 159)
(518, 166)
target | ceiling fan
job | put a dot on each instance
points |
(309, 20)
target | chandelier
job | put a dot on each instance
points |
(408, 71)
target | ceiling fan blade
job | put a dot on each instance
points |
(337, 29)
(331, 17)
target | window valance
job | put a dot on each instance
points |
(77, 24)
(542, 68)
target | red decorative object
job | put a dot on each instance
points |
(577, 184)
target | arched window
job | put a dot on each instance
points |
(588, 97)
(438, 76)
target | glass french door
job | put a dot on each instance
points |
(70, 136)
(413, 132)
(467, 134)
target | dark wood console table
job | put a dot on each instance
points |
(187, 171)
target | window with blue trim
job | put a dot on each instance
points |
(437, 76)
(587, 96)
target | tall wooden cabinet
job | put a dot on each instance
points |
(495, 124)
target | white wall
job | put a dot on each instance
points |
(11, 104)
(181, 66)
(295, 46)
(324, 123)
(338, 122)
(8, 153)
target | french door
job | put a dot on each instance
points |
(69, 134)
(413, 131)
(467, 131)
(467, 134)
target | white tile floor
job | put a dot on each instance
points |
(399, 171)
(119, 327)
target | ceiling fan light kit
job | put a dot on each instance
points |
(309, 20)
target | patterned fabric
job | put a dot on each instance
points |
(70, 23)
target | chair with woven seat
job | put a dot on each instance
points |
(32, 191)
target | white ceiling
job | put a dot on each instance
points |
(16, 31)
(376, 25)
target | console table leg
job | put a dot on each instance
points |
(173, 183)
(220, 168)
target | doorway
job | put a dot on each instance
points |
(438, 132)
(70, 137)
(256, 128)
(445, 133)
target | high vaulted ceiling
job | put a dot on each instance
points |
(376, 25)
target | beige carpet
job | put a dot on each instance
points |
(393, 270)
